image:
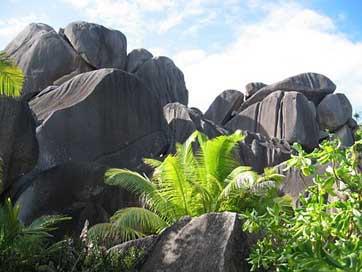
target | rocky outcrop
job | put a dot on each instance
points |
(18, 144)
(44, 56)
(182, 122)
(252, 87)
(314, 86)
(179, 122)
(106, 116)
(164, 80)
(136, 58)
(334, 111)
(71, 188)
(97, 45)
(284, 115)
(224, 105)
(260, 152)
(345, 134)
(211, 242)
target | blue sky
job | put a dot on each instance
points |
(221, 44)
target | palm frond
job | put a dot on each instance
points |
(239, 180)
(45, 224)
(220, 160)
(105, 232)
(11, 77)
(152, 162)
(174, 184)
(140, 219)
(143, 187)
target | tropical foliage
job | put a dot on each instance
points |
(324, 233)
(22, 247)
(11, 77)
(187, 183)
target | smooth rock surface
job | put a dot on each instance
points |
(18, 144)
(252, 87)
(106, 116)
(314, 86)
(165, 80)
(211, 242)
(334, 111)
(136, 58)
(284, 115)
(99, 46)
(179, 122)
(345, 135)
(44, 56)
(67, 189)
(223, 106)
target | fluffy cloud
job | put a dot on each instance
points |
(287, 41)
(11, 26)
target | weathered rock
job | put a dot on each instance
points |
(18, 144)
(334, 111)
(180, 124)
(352, 124)
(211, 242)
(284, 115)
(165, 80)
(136, 58)
(314, 86)
(252, 87)
(64, 189)
(345, 135)
(43, 56)
(106, 116)
(259, 152)
(183, 122)
(99, 46)
(221, 109)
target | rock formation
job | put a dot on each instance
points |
(88, 106)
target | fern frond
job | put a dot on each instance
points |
(11, 77)
(142, 220)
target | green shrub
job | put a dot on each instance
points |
(324, 233)
(187, 183)
(23, 247)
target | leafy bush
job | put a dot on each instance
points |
(11, 77)
(324, 233)
(23, 247)
(187, 183)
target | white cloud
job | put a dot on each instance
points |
(288, 41)
(9, 27)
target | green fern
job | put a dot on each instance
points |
(11, 77)
(186, 183)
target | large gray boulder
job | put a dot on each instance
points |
(44, 56)
(182, 122)
(345, 134)
(136, 58)
(252, 87)
(221, 109)
(260, 152)
(314, 86)
(211, 242)
(164, 79)
(68, 189)
(179, 122)
(18, 144)
(284, 115)
(334, 111)
(106, 116)
(99, 46)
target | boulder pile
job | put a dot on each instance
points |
(87, 105)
